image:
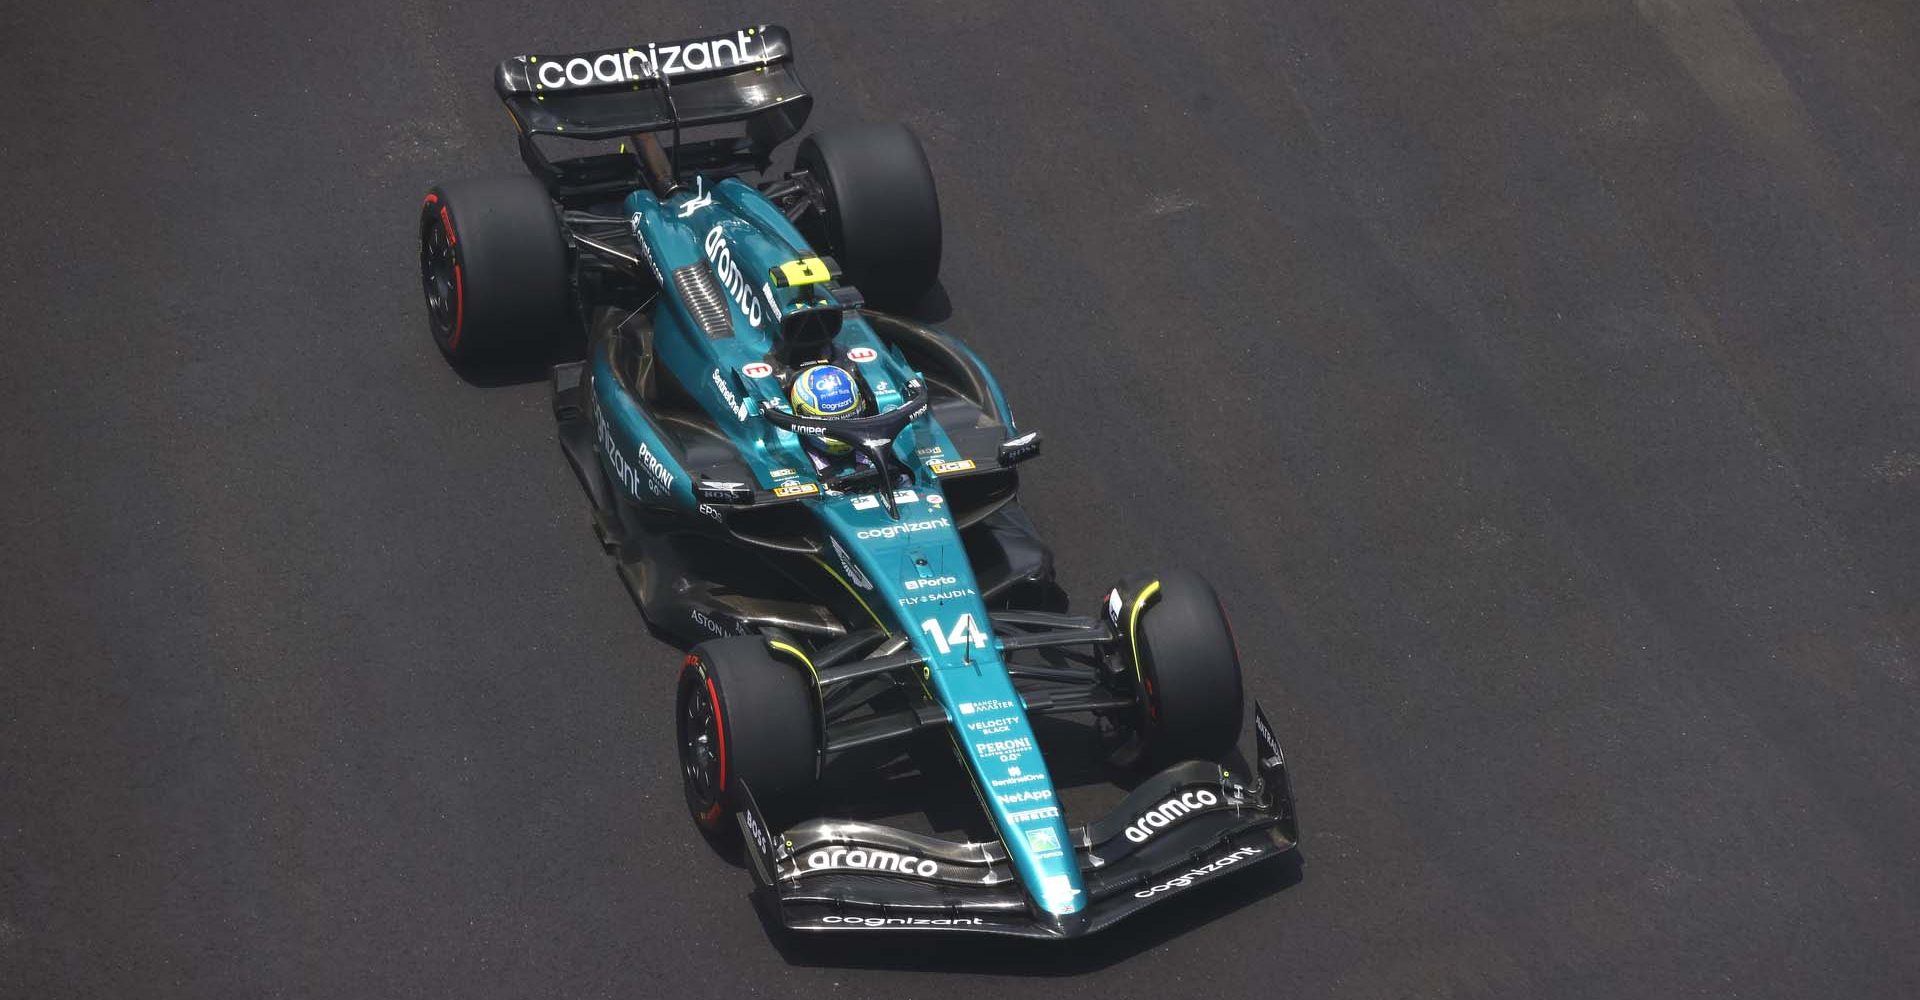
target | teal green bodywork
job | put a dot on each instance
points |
(912, 573)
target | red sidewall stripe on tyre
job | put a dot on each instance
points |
(712, 815)
(459, 287)
(459, 308)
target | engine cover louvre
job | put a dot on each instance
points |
(702, 296)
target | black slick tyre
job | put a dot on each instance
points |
(493, 266)
(744, 714)
(882, 215)
(1189, 672)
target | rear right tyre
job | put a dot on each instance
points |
(882, 215)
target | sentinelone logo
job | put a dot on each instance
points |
(632, 64)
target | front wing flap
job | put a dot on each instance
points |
(1176, 830)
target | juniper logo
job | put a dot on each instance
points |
(605, 68)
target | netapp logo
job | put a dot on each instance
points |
(1167, 812)
(731, 279)
(633, 64)
(1030, 795)
(906, 528)
(905, 921)
(1182, 881)
(871, 860)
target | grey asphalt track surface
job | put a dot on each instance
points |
(1535, 379)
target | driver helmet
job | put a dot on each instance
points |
(826, 391)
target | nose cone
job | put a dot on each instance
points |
(1067, 925)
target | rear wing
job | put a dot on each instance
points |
(614, 93)
(745, 77)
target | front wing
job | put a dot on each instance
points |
(1177, 830)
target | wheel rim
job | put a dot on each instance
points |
(700, 746)
(437, 279)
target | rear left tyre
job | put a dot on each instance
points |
(493, 267)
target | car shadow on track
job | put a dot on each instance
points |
(520, 371)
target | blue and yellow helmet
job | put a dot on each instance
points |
(826, 391)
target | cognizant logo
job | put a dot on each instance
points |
(657, 60)
(1182, 881)
(907, 528)
(905, 921)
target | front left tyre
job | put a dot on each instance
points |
(493, 266)
(1188, 670)
(744, 715)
